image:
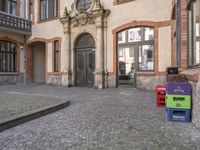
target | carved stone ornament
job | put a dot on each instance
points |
(82, 19)
(74, 18)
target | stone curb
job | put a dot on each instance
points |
(30, 115)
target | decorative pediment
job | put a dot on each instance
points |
(79, 16)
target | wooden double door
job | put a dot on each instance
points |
(85, 67)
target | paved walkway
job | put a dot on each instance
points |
(112, 119)
(16, 103)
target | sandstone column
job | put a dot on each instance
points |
(99, 71)
(67, 73)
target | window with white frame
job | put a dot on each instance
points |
(135, 35)
(9, 6)
(30, 9)
(178, 33)
(48, 9)
(193, 33)
(56, 56)
(135, 39)
(7, 56)
(12, 7)
(122, 37)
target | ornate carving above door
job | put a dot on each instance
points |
(85, 13)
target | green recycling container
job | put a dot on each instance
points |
(178, 101)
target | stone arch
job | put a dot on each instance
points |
(84, 46)
(82, 38)
(31, 44)
(6, 38)
(35, 40)
(77, 35)
(133, 24)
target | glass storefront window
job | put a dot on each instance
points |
(135, 53)
(126, 65)
(146, 57)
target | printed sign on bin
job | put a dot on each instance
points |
(178, 101)
(178, 88)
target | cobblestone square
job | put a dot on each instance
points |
(110, 119)
(17, 103)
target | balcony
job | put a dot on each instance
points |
(15, 24)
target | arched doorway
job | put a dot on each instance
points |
(135, 49)
(35, 66)
(85, 60)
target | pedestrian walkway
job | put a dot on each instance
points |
(110, 119)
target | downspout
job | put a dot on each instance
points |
(25, 38)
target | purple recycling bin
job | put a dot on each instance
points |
(179, 88)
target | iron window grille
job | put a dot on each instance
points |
(85, 41)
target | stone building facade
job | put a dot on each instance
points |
(15, 29)
(93, 43)
(101, 24)
(186, 48)
(100, 43)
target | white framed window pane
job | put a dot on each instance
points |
(131, 52)
(197, 48)
(122, 37)
(121, 52)
(30, 10)
(197, 29)
(197, 52)
(55, 8)
(47, 9)
(12, 7)
(149, 34)
(146, 57)
(43, 9)
(50, 8)
(134, 35)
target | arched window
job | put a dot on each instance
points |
(7, 56)
(136, 47)
(83, 5)
(85, 41)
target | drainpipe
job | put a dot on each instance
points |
(25, 38)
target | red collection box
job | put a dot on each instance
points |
(160, 95)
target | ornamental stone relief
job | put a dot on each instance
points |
(77, 17)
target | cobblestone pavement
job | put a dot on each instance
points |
(13, 103)
(111, 119)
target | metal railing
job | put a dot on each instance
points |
(15, 23)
